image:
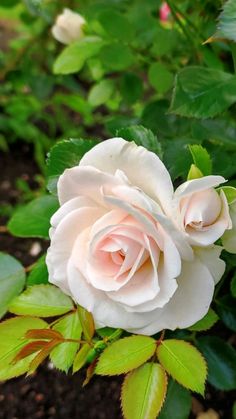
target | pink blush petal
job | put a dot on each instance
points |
(109, 245)
(117, 258)
(112, 218)
(139, 289)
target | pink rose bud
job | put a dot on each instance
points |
(164, 12)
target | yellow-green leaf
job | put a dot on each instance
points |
(230, 193)
(63, 355)
(74, 56)
(194, 172)
(41, 300)
(143, 392)
(87, 323)
(201, 158)
(81, 357)
(125, 354)
(184, 363)
(12, 337)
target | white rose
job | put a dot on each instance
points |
(68, 27)
(117, 254)
(201, 211)
(229, 238)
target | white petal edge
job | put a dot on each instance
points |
(142, 167)
(190, 302)
(197, 185)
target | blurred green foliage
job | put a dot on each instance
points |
(120, 73)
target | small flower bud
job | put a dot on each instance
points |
(68, 27)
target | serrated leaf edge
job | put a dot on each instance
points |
(204, 362)
(124, 371)
(123, 386)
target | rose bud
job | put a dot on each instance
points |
(68, 27)
(164, 12)
(201, 211)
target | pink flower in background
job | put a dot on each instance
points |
(164, 12)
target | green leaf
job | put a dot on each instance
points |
(12, 280)
(116, 25)
(184, 363)
(76, 103)
(63, 355)
(178, 400)
(220, 132)
(177, 157)
(64, 155)
(110, 333)
(160, 77)
(117, 122)
(131, 87)
(202, 92)
(194, 172)
(87, 323)
(226, 22)
(116, 56)
(143, 392)
(81, 357)
(206, 322)
(73, 57)
(41, 300)
(125, 354)
(230, 193)
(12, 334)
(201, 159)
(233, 286)
(33, 219)
(101, 92)
(226, 308)
(141, 136)
(95, 68)
(221, 361)
(165, 41)
(39, 273)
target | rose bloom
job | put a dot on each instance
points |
(115, 249)
(201, 211)
(68, 27)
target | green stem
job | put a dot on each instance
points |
(186, 31)
(190, 23)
